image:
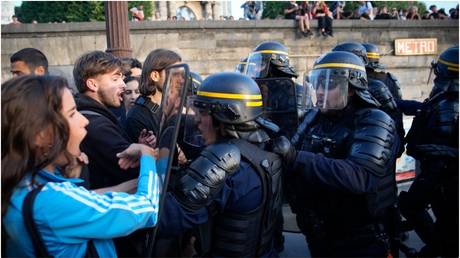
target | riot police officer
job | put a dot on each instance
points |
(196, 81)
(378, 88)
(433, 141)
(342, 175)
(234, 184)
(387, 78)
(268, 64)
(241, 66)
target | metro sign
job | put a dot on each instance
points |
(410, 47)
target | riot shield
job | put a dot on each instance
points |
(171, 109)
(280, 103)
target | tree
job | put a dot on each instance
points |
(273, 9)
(54, 11)
(68, 11)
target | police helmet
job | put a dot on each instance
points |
(350, 65)
(373, 55)
(446, 67)
(196, 82)
(269, 59)
(355, 48)
(241, 66)
(230, 97)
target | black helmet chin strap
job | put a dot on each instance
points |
(429, 75)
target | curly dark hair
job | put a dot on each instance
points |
(31, 105)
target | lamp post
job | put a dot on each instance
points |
(116, 24)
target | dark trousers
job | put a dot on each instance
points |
(325, 23)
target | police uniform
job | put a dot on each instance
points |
(232, 190)
(268, 64)
(433, 140)
(342, 178)
(385, 92)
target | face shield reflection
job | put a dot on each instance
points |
(198, 123)
(257, 65)
(329, 88)
(175, 83)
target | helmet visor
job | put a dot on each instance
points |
(258, 65)
(329, 88)
(198, 123)
(240, 67)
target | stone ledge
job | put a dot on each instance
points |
(261, 24)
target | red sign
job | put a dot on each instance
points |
(410, 47)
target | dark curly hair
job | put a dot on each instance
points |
(31, 105)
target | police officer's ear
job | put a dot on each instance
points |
(40, 70)
(155, 76)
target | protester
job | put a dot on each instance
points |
(134, 67)
(145, 113)
(28, 61)
(131, 92)
(41, 135)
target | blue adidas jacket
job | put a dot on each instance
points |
(68, 216)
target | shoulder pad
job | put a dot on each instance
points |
(392, 77)
(383, 95)
(447, 117)
(373, 142)
(395, 88)
(205, 176)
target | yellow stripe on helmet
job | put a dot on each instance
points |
(339, 65)
(452, 69)
(228, 95)
(271, 52)
(373, 55)
(447, 63)
(254, 104)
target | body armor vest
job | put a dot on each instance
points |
(438, 117)
(251, 234)
(389, 80)
(333, 210)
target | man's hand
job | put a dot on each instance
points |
(147, 138)
(129, 158)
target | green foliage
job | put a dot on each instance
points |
(69, 11)
(148, 8)
(273, 9)
(55, 11)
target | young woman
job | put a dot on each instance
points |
(131, 92)
(41, 134)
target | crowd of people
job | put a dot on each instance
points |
(148, 159)
(304, 11)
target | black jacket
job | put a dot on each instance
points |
(143, 115)
(104, 140)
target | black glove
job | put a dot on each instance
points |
(282, 146)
